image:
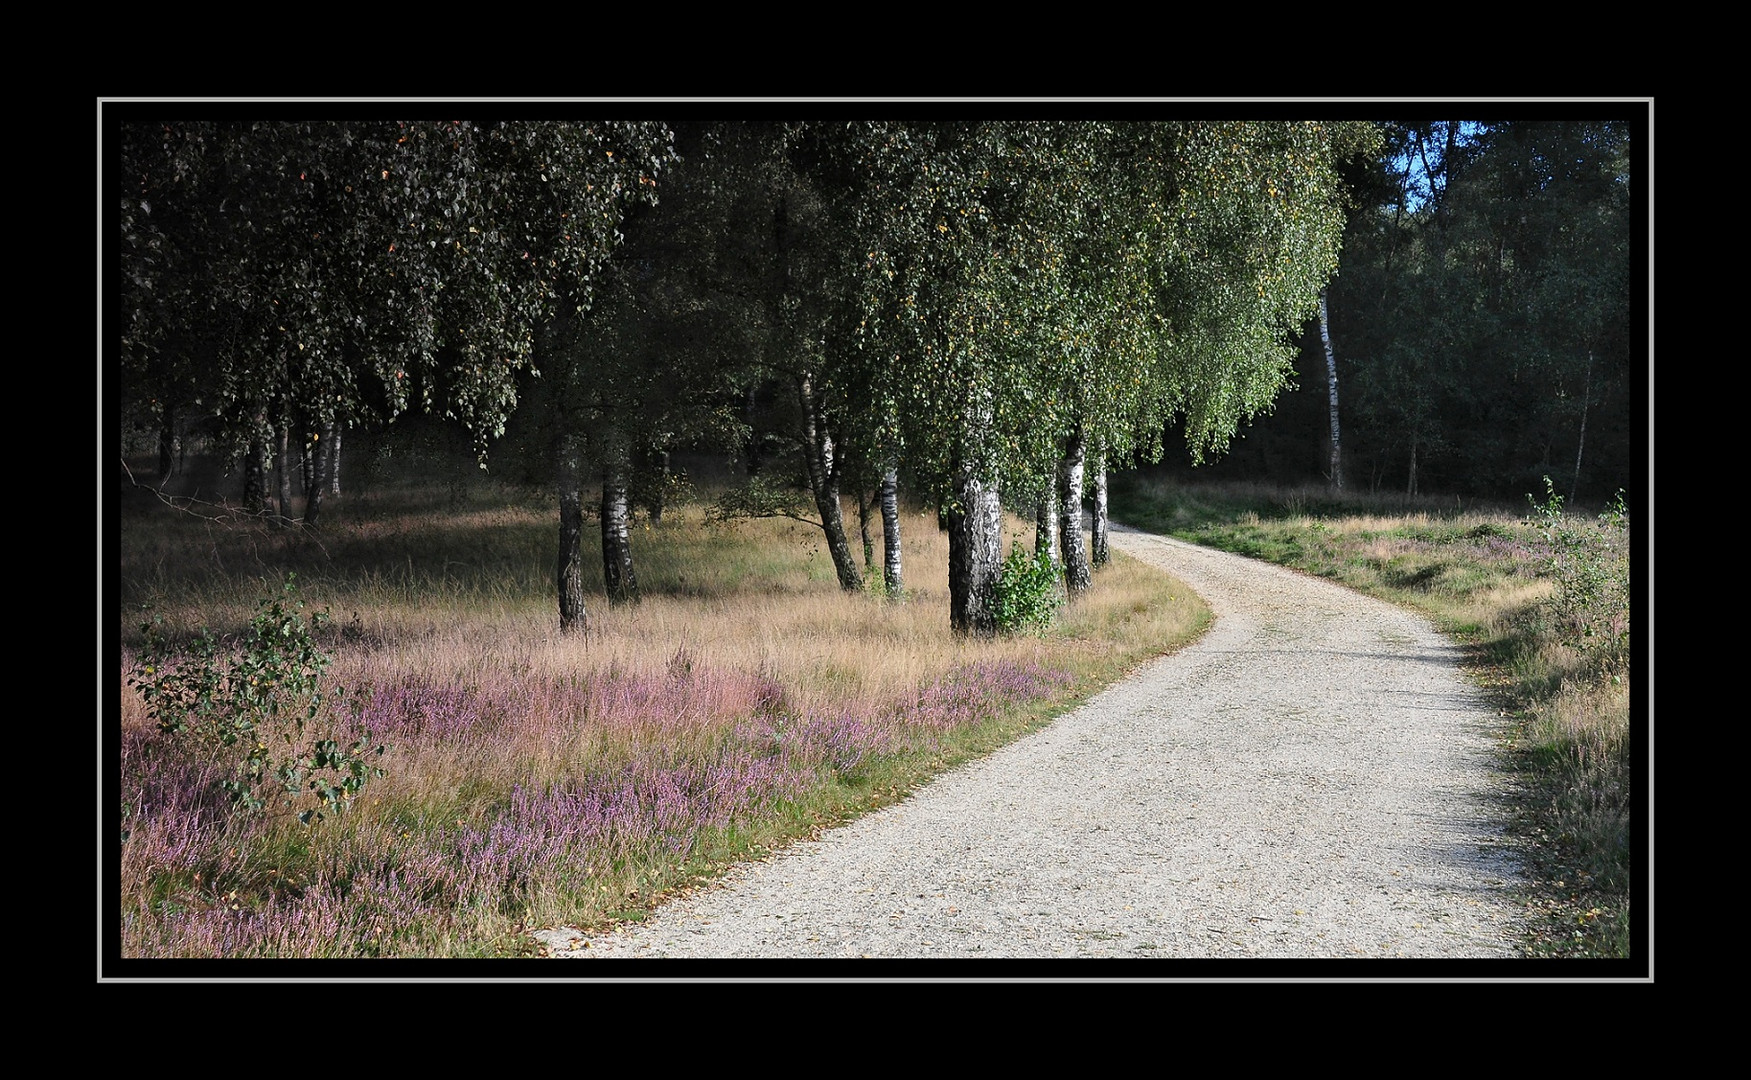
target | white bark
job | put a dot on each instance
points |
(975, 553)
(1077, 574)
(1331, 378)
(892, 578)
(1099, 555)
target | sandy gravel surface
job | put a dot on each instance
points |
(1310, 780)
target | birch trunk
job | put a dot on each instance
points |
(1077, 575)
(306, 468)
(334, 461)
(569, 573)
(975, 554)
(823, 472)
(892, 578)
(316, 475)
(617, 572)
(1100, 555)
(1336, 475)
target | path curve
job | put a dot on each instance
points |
(1312, 778)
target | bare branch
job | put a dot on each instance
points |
(224, 514)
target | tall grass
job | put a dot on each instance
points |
(533, 779)
(1541, 600)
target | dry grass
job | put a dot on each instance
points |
(750, 596)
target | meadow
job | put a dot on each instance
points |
(526, 778)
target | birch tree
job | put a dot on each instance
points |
(1175, 262)
(943, 377)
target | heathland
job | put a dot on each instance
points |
(529, 779)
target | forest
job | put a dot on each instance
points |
(980, 314)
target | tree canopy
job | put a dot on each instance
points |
(320, 267)
(975, 306)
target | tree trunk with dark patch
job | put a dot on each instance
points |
(1581, 443)
(569, 573)
(651, 477)
(975, 554)
(1046, 527)
(659, 484)
(169, 443)
(864, 506)
(284, 466)
(750, 456)
(255, 470)
(617, 572)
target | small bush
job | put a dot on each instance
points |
(1590, 563)
(253, 704)
(1028, 593)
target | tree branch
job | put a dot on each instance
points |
(221, 513)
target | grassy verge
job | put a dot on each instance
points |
(1540, 598)
(529, 779)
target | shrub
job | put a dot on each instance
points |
(1590, 563)
(254, 704)
(1028, 594)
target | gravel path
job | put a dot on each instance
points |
(1310, 779)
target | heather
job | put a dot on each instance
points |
(1541, 596)
(531, 779)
